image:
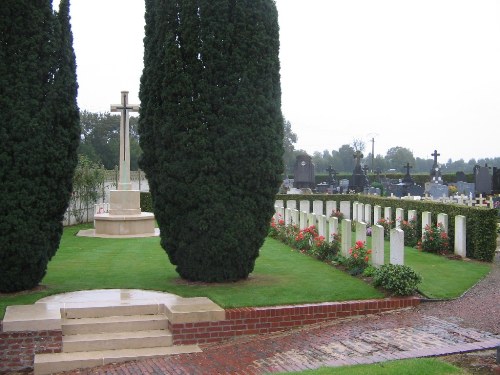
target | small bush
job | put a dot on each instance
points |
(387, 224)
(398, 279)
(358, 258)
(369, 271)
(435, 239)
(324, 250)
(411, 234)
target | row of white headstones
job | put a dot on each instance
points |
(364, 215)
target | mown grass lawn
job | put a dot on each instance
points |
(419, 366)
(442, 278)
(281, 275)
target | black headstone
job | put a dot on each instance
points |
(496, 180)
(483, 180)
(303, 172)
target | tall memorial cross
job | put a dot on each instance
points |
(435, 154)
(408, 167)
(125, 108)
(358, 156)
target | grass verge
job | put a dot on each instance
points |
(418, 366)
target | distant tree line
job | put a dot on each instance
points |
(342, 160)
(100, 139)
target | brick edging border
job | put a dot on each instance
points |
(18, 349)
(261, 320)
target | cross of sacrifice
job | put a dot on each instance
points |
(124, 108)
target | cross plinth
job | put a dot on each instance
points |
(124, 108)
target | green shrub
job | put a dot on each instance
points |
(358, 258)
(398, 279)
(146, 202)
(435, 239)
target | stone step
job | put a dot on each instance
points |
(116, 340)
(58, 362)
(114, 324)
(114, 310)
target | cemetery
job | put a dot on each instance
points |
(212, 254)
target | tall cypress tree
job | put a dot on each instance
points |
(39, 135)
(211, 130)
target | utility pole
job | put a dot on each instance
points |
(373, 150)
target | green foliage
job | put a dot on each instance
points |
(358, 258)
(387, 224)
(435, 239)
(146, 201)
(411, 232)
(398, 279)
(88, 183)
(369, 271)
(100, 139)
(211, 131)
(40, 134)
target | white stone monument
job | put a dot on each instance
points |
(125, 218)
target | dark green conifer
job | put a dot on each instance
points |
(39, 135)
(211, 131)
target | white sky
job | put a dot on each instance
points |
(420, 74)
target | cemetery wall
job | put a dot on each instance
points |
(481, 222)
(17, 349)
(255, 320)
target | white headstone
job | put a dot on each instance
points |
(412, 215)
(322, 226)
(426, 220)
(377, 214)
(288, 216)
(355, 211)
(397, 240)
(291, 204)
(388, 213)
(368, 214)
(124, 108)
(443, 219)
(279, 203)
(360, 231)
(295, 217)
(460, 236)
(311, 219)
(400, 216)
(378, 245)
(346, 237)
(303, 220)
(305, 206)
(345, 209)
(333, 227)
(331, 206)
(318, 207)
(361, 211)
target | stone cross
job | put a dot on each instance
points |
(435, 154)
(358, 156)
(124, 182)
(408, 167)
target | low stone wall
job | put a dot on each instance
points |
(261, 320)
(18, 349)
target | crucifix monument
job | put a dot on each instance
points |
(124, 108)
(124, 217)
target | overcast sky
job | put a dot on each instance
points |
(420, 74)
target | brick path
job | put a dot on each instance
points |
(369, 339)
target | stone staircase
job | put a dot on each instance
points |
(95, 336)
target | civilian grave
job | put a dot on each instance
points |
(303, 171)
